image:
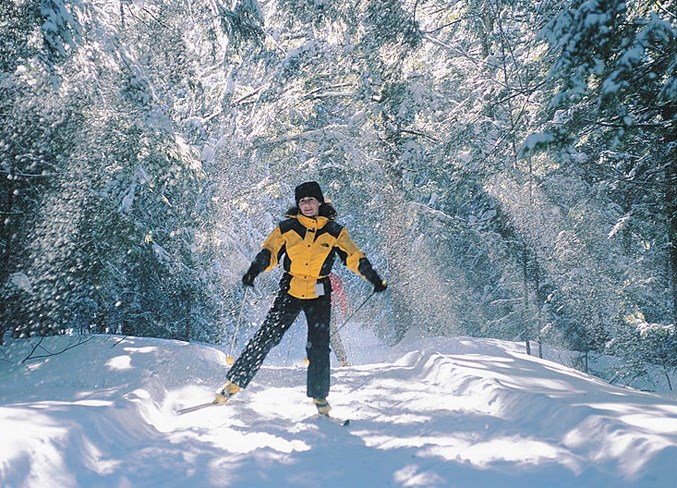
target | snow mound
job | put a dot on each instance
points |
(432, 412)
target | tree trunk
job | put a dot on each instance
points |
(539, 315)
(525, 291)
(187, 298)
(671, 208)
(6, 224)
(397, 252)
(670, 113)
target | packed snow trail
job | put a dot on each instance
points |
(448, 412)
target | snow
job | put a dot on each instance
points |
(535, 139)
(21, 281)
(429, 412)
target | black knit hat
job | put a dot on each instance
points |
(309, 189)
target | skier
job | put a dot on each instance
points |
(309, 239)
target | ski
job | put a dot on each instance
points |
(195, 407)
(335, 420)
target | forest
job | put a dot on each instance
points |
(509, 166)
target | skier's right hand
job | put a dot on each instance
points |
(248, 278)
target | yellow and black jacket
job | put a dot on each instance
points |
(309, 246)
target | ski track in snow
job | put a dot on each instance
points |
(448, 412)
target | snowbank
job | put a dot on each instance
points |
(431, 412)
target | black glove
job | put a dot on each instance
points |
(259, 264)
(248, 278)
(380, 286)
(368, 272)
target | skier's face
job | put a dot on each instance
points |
(310, 206)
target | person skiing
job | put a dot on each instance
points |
(309, 238)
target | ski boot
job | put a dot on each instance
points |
(228, 390)
(322, 405)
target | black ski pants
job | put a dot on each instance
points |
(281, 316)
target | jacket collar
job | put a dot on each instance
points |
(311, 222)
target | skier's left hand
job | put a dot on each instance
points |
(380, 286)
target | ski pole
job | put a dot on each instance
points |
(353, 314)
(229, 358)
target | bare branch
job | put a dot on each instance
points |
(50, 354)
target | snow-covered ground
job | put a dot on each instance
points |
(449, 412)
